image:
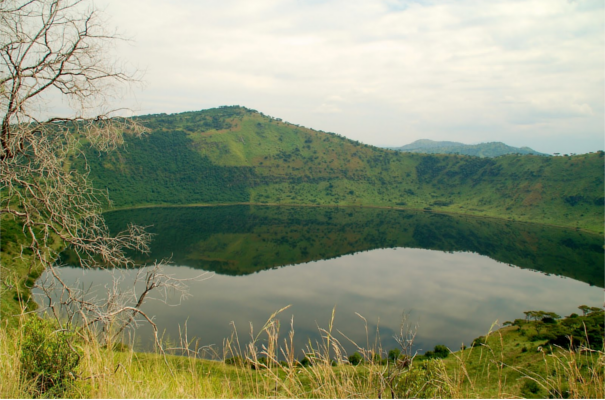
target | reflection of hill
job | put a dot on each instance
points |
(238, 240)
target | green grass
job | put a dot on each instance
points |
(509, 359)
(507, 364)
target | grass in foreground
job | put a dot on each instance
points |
(513, 362)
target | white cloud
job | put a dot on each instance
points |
(383, 72)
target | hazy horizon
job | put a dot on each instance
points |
(386, 73)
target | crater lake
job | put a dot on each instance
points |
(454, 277)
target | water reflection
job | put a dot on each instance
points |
(454, 294)
(453, 297)
(240, 240)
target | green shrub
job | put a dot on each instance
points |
(237, 361)
(531, 390)
(440, 351)
(583, 331)
(394, 354)
(48, 356)
(305, 362)
(559, 393)
(481, 340)
(355, 358)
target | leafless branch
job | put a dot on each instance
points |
(112, 312)
(58, 50)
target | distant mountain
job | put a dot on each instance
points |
(492, 149)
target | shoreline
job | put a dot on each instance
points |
(396, 208)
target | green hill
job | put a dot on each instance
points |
(237, 155)
(492, 149)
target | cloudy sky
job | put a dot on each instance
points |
(385, 72)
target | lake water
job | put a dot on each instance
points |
(453, 276)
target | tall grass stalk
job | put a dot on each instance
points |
(269, 366)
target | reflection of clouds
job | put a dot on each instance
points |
(453, 297)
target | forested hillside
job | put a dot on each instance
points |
(233, 154)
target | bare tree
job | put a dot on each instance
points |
(57, 50)
(119, 307)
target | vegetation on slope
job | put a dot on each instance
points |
(491, 149)
(517, 361)
(19, 269)
(233, 154)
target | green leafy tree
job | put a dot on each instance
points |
(355, 358)
(441, 351)
(394, 354)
